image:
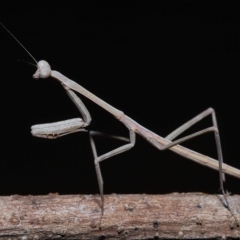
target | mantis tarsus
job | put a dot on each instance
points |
(54, 130)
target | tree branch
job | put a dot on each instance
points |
(191, 215)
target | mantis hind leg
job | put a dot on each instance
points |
(199, 117)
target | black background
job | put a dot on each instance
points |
(160, 62)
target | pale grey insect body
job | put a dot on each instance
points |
(54, 130)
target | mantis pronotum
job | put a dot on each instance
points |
(54, 130)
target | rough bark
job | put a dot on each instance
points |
(191, 215)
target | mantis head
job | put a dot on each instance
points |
(43, 70)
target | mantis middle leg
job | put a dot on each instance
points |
(98, 159)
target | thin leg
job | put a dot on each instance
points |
(187, 125)
(220, 158)
(184, 139)
(193, 121)
(101, 134)
(80, 105)
(98, 159)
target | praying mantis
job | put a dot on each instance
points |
(58, 129)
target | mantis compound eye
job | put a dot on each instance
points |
(43, 70)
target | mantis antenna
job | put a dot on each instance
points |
(20, 43)
(20, 60)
